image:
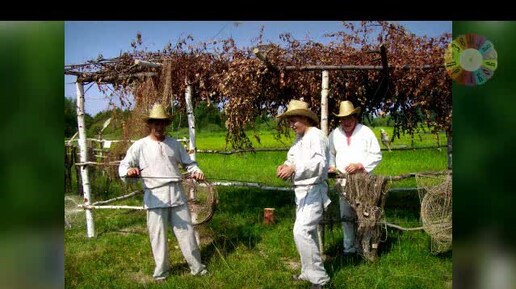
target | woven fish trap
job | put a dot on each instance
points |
(435, 193)
(202, 200)
(366, 194)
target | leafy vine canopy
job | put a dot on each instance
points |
(412, 87)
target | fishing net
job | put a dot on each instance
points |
(73, 214)
(366, 194)
(435, 193)
(202, 200)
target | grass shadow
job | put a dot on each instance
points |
(444, 255)
(133, 221)
(180, 268)
(406, 202)
(388, 240)
(238, 220)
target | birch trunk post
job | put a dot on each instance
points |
(191, 150)
(324, 102)
(324, 128)
(191, 122)
(90, 225)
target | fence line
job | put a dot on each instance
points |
(286, 149)
(228, 183)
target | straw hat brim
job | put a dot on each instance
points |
(300, 112)
(354, 111)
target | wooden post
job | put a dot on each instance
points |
(191, 148)
(90, 226)
(324, 102)
(268, 216)
(324, 129)
(191, 121)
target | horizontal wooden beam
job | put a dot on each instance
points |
(147, 63)
(355, 67)
(85, 78)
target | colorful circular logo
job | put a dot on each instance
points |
(470, 59)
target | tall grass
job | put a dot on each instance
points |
(243, 252)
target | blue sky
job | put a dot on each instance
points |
(85, 40)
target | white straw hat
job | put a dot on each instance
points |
(299, 108)
(157, 112)
(346, 108)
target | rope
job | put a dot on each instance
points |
(401, 228)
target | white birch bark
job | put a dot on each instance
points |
(191, 150)
(90, 225)
(324, 102)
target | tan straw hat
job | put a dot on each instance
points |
(299, 108)
(157, 112)
(347, 108)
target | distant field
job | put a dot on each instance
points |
(216, 140)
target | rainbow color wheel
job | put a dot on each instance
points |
(470, 59)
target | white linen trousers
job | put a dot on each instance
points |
(158, 220)
(311, 201)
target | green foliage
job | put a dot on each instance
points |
(70, 118)
(208, 116)
(379, 121)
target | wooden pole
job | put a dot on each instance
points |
(324, 129)
(354, 67)
(191, 121)
(191, 148)
(385, 64)
(90, 225)
(144, 63)
(324, 102)
(91, 77)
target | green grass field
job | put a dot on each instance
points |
(240, 251)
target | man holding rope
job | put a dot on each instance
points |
(307, 167)
(155, 160)
(354, 148)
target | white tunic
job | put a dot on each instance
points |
(158, 162)
(363, 148)
(309, 154)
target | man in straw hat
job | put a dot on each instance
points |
(307, 167)
(155, 160)
(354, 148)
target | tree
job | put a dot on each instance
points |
(70, 117)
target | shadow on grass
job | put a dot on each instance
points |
(125, 222)
(444, 255)
(404, 201)
(389, 240)
(238, 220)
(399, 205)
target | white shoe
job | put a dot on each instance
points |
(160, 278)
